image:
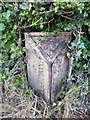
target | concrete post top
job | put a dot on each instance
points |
(36, 34)
(51, 45)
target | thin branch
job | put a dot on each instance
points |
(45, 12)
(35, 108)
(10, 78)
(28, 26)
(66, 12)
(68, 18)
(47, 22)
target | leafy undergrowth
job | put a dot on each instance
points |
(21, 102)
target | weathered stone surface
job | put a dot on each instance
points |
(47, 62)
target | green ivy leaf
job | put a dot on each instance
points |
(79, 53)
(85, 56)
(24, 6)
(13, 55)
(6, 15)
(56, 9)
(2, 26)
(73, 44)
(82, 46)
(19, 52)
(87, 22)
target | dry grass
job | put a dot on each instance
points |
(23, 103)
(18, 103)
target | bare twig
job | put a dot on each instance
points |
(11, 78)
(66, 12)
(35, 108)
(80, 32)
(28, 26)
(45, 12)
(14, 68)
(45, 108)
(36, 23)
(68, 18)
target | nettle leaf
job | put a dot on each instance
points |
(2, 26)
(6, 15)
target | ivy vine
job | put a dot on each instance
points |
(19, 17)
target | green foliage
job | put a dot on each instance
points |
(6, 15)
(18, 82)
(61, 95)
(2, 26)
(17, 18)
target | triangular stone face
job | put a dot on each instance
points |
(50, 46)
(47, 62)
